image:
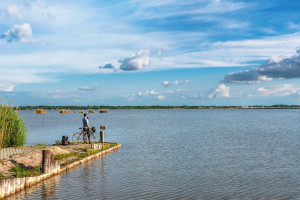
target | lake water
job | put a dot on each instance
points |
(178, 154)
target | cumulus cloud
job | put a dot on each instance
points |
(18, 33)
(147, 93)
(107, 66)
(88, 88)
(131, 97)
(136, 62)
(168, 84)
(279, 90)
(220, 92)
(6, 87)
(274, 68)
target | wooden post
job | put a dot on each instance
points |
(102, 136)
(48, 161)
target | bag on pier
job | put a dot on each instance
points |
(65, 140)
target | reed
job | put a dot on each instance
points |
(91, 111)
(40, 111)
(103, 111)
(81, 111)
(12, 127)
(75, 111)
(64, 111)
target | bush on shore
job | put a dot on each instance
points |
(12, 127)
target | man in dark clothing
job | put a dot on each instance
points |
(85, 121)
(86, 127)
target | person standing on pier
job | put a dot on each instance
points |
(86, 127)
(85, 122)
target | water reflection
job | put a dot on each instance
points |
(46, 189)
(50, 187)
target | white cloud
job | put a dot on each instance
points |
(195, 96)
(161, 97)
(131, 97)
(13, 10)
(220, 92)
(18, 33)
(170, 92)
(88, 88)
(274, 68)
(206, 8)
(6, 87)
(168, 84)
(147, 93)
(279, 90)
(152, 92)
(293, 25)
(136, 62)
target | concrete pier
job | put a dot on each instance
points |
(7, 152)
(13, 185)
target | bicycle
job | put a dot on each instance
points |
(85, 135)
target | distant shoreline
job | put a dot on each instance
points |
(154, 107)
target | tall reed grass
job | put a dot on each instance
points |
(12, 127)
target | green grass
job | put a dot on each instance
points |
(12, 127)
(57, 142)
(41, 144)
(91, 152)
(79, 155)
(66, 155)
(21, 171)
(1, 176)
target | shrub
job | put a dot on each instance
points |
(12, 127)
(21, 171)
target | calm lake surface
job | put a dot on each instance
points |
(178, 154)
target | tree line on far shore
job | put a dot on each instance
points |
(151, 107)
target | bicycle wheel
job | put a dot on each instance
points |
(95, 137)
(77, 138)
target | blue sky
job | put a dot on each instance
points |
(130, 52)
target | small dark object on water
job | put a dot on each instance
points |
(102, 127)
(65, 140)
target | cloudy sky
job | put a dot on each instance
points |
(168, 52)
